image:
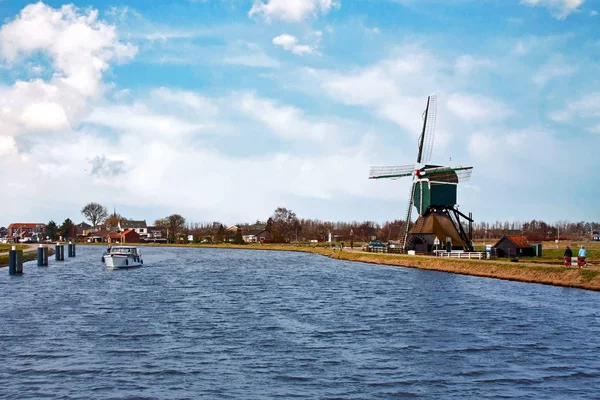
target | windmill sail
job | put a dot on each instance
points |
(428, 133)
(393, 172)
(408, 214)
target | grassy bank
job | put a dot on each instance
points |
(527, 270)
(29, 254)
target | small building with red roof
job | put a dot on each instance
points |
(130, 236)
(514, 246)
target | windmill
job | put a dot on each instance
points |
(433, 194)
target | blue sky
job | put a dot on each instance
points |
(226, 109)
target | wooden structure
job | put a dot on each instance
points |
(512, 246)
(130, 236)
(433, 194)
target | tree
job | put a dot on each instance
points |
(220, 236)
(112, 222)
(67, 229)
(284, 224)
(239, 239)
(175, 225)
(51, 230)
(95, 213)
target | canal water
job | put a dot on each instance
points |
(239, 324)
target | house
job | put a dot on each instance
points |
(130, 236)
(258, 235)
(18, 229)
(112, 237)
(83, 229)
(233, 228)
(139, 227)
(514, 246)
(98, 237)
(155, 234)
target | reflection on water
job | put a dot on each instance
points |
(249, 324)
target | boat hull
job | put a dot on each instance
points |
(115, 261)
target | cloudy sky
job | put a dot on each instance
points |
(226, 109)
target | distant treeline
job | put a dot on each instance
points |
(293, 229)
(284, 226)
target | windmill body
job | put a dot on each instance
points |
(433, 194)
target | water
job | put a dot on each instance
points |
(238, 324)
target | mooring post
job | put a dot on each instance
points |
(15, 261)
(71, 249)
(59, 252)
(42, 256)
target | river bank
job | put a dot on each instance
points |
(548, 274)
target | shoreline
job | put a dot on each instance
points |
(546, 274)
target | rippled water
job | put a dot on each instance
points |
(244, 324)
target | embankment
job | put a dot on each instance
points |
(547, 274)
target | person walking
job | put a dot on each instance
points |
(581, 257)
(568, 256)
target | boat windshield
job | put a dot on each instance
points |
(124, 250)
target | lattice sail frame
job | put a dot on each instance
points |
(393, 172)
(430, 116)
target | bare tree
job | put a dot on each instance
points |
(175, 225)
(95, 213)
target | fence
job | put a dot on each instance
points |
(477, 255)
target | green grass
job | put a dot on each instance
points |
(4, 248)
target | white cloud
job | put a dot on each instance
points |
(554, 69)
(44, 116)
(465, 64)
(472, 108)
(80, 46)
(586, 107)
(80, 49)
(594, 129)
(290, 10)
(7, 145)
(560, 8)
(143, 121)
(286, 121)
(290, 43)
(186, 98)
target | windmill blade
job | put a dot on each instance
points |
(392, 172)
(428, 133)
(408, 215)
(448, 174)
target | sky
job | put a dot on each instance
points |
(223, 110)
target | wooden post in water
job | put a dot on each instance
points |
(42, 256)
(71, 249)
(15, 261)
(59, 254)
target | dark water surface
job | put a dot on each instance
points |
(238, 324)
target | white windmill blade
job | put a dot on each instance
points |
(393, 172)
(429, 129)
(464, 174)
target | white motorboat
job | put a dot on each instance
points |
(122, 257)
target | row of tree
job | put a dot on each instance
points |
(285, 226)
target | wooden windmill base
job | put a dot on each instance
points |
(437, 223)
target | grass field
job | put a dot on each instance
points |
(553, 255)
(4, 248)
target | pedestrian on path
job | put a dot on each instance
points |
(568, 256)
(581, 257)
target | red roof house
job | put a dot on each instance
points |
(130, 236)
